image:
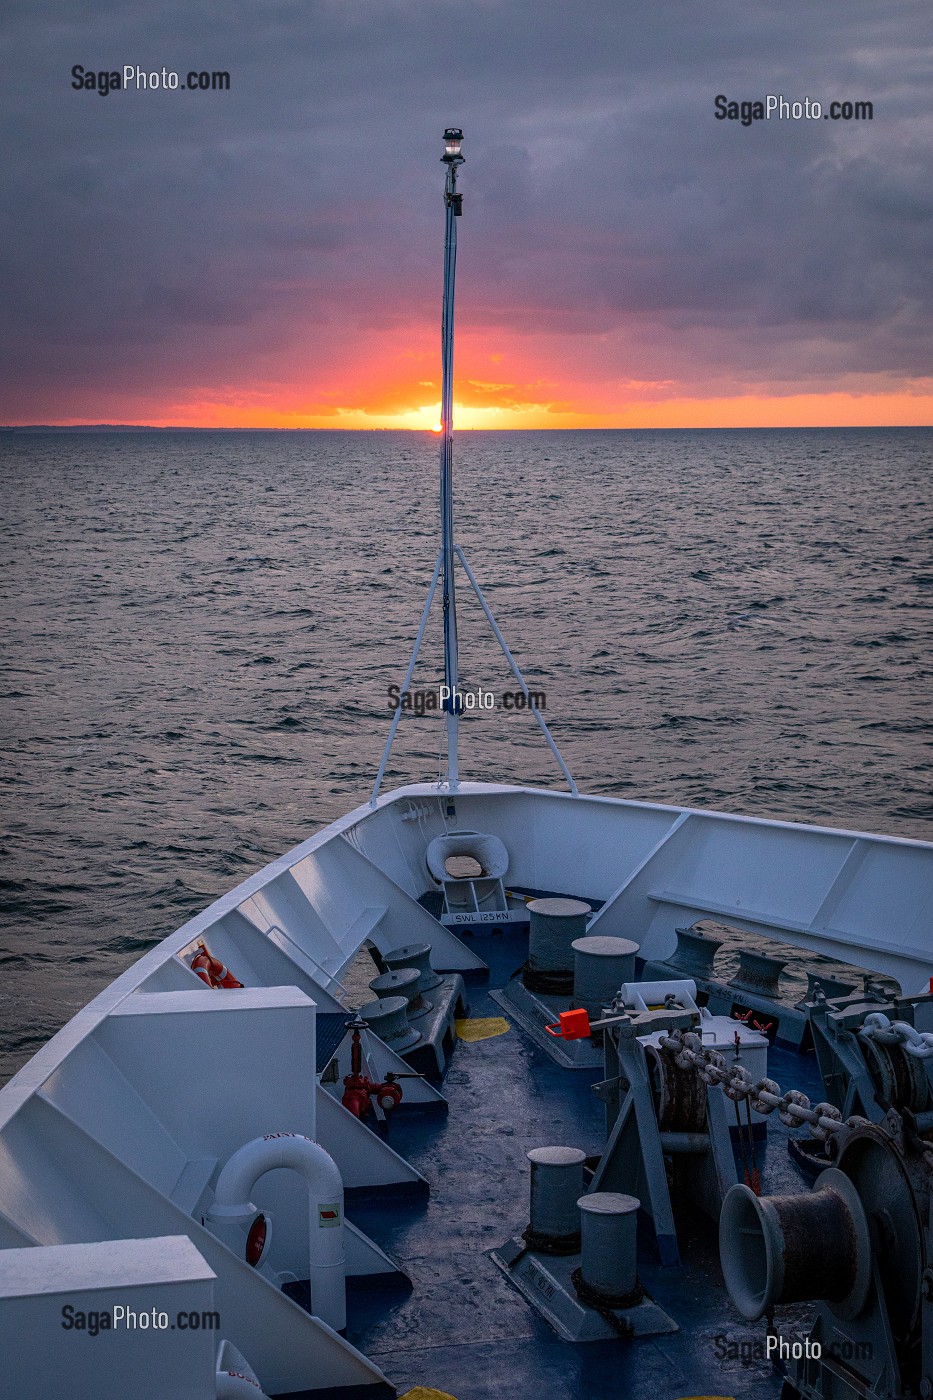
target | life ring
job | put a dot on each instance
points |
(211, 970)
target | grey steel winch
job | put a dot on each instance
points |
(790, 1249)
(859, 1246)
(737, 1084)
(871, 1054)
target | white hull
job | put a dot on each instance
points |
(118, 1127)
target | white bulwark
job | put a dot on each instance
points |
(124, 1317)
(119, 1127)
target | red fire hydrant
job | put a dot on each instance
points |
(359, 1090)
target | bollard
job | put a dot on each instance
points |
(388, 1019)
(555, 923)
(601, 966)
(758, 974)
(556, 1183)
(609, 1222)
(694, 953)
(404, 982)
(414, 955)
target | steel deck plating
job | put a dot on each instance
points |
(463, 1329)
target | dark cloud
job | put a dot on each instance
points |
(199, 238)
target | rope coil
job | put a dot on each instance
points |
(551, 1244)
(605, 1305)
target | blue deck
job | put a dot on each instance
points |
(463, 1329)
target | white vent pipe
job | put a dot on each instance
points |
(327, 1263)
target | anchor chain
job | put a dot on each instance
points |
(878, 1027)
(766, 1095)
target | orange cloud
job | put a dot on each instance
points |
(746, 411)
(390, 379)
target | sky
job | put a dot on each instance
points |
(271, 255)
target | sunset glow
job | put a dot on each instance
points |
(636, 378)
(625, 259)
(747, 411)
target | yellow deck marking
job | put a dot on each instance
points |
(481, 1028)
(421, 1392)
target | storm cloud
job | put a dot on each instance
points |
(278, 243)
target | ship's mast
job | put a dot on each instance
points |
(450, 552)
(453, 203)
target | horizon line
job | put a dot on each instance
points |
(429, 432)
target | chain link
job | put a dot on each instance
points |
(878, 1027)
(766, 1095)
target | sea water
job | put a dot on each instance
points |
(201, 629)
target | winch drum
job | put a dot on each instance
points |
(864, 1218)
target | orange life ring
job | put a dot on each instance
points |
(211, 970)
